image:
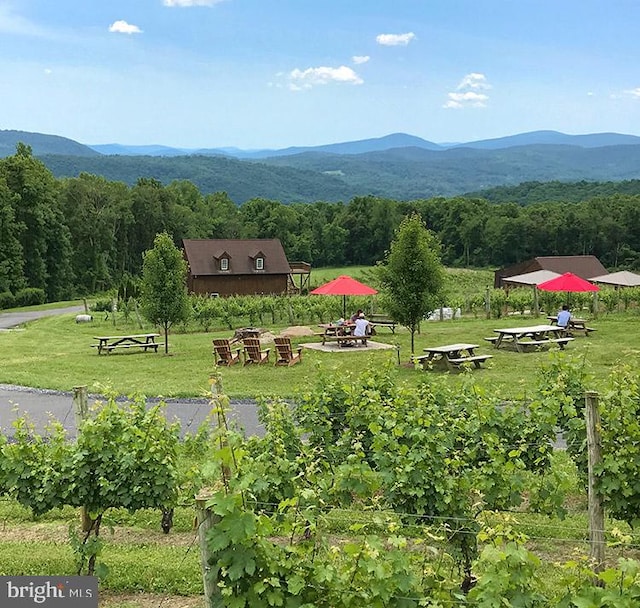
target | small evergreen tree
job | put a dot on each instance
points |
(412, 275)
(164, 291)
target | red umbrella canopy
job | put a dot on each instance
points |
(568, 282)
(344, 285)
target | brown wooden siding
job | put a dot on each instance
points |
(239, 284)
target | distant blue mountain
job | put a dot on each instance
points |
(381, 144)
(149, 150)
(592, 140)
(378, 144)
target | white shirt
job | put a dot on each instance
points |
(361, 327)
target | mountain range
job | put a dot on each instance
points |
(388, 142)
(398, 166)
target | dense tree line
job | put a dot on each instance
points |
(81, 235)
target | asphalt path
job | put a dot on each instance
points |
(41, 405)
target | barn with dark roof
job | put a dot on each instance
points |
(228, 267)
(585, 266)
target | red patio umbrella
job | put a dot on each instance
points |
(568, 282)
(344, 286)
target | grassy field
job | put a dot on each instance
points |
(56, 353)
(150, 569)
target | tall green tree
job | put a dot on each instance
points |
(164, 288)
(44, 236)
(412, 275)
(98, 214)
(11, 253)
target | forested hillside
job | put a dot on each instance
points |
(241, 180)
(397, 166)
(408, 173)
(400, 173)
(540, 192)
(45, 144)
(84, 234)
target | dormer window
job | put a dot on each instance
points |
(259, 263)
(224, 264)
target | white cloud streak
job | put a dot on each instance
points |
(474, 81)
(395, 39)
(17, 25)
(634, 92)
(359, 59)
(469, 92)
(306, 79)
(189, 3)
(122, 27)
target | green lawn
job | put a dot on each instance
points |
(56, 353)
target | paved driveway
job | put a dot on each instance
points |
(14, 319)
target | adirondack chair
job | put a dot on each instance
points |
(253, 352)
(285, 353)
(225, 355)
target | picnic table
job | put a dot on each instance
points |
(523, 338)
(381, 321)
(342, 334)
(575, 325)
(143, 341)
(453, 356)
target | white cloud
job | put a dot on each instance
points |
(122, 27)
(358, 59)
(474, 81)
(305, 79)
(187, 3)
(468, 92)
(469, 98)
(634, 92)
(395, 39)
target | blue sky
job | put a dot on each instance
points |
(277, 73)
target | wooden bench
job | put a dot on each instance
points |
(455, 363)
(345, 339)
(492, 339)
(382, 322)
(475, 359)
(111, 347)
(419, 358)
(561, 342)
(569, 331)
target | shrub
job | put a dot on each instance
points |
(102, 306)
(30, 296)
(7, 300)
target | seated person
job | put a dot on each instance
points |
(564, 317)
(355, 316)
(361, 327)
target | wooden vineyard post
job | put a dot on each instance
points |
(80, 405)
(81, 411)
(205, 520)
(596, 511)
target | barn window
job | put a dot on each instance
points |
(259, 263)
(224, 264)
